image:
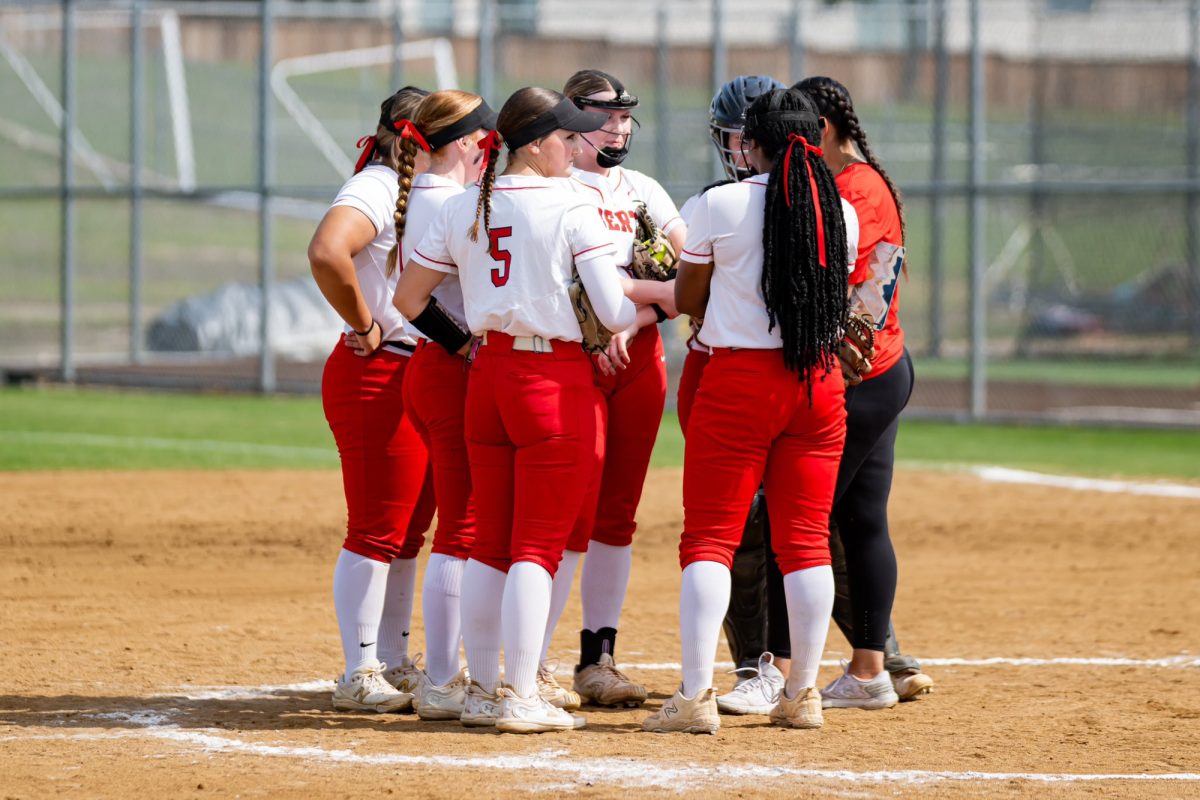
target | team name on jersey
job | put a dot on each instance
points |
(621, 221)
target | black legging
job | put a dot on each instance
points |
(861, 499)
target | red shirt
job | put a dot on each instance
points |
(878, 221)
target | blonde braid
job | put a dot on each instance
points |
(405, 169)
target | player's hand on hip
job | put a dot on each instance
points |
(365, 344)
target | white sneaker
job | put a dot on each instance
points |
(434, 702)
(553, 692)
(910, 683)
(605, 685)
(682, 715)
(801, 711)
(480, 709)
(759, 693)
(366, 690)
(849, 692)
(532, 715)
(407, 676)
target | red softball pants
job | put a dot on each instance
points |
(435, 394)
(751, 423)
(689, 382)
(530, 433)
(629, 409)
(385, 467)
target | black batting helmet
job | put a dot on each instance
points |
(727, 114)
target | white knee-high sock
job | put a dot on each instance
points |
(482, 594)
(523, 620)
(603, 583)
(359, 584)
(560, 592)
(443, 619)
(703, 601)
(809, 603)
(397, 611)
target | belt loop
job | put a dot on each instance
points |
(540, 345)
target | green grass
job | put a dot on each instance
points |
(1131, 373)
(96, 429)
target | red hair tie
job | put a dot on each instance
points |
(490, 144)
(368, 145)
(405, 129)
(793, 138)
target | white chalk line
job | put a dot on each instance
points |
(164, 443)
(1156, 489)
(629, 772)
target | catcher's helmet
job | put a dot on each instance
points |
(727, 114)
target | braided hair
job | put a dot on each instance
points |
(805, 298)
(484, 207)
(834, 104)
(433, 113)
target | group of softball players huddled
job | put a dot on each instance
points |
(461, 386)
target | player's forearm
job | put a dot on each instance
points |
(338, 282)
(614, 310)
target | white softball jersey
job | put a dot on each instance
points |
(425, 200)
(615, 194)
(514, 279)
(373, 192)
(725, 227)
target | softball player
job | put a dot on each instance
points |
(630, 395)
(449, 124)
(530, 421)
(384, 463)
(865, 478)
(763, 265)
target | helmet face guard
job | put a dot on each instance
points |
(732, 161)
(727, 115)
(609, 157)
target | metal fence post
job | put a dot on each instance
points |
(937, 201)
(796, 45)
(720, 66)
(137, 109)
(67, 194)
(976, 224)
(486, 77)
(266, 257)
(662, 96)
(397, 43)
(1193, 171)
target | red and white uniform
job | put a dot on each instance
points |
(698, 350)
(435, 387)
(629, 404)
(866, 190)
(530, 424)
(751, 420)
(384, 462)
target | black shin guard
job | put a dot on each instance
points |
(593, 644)
(746, 620)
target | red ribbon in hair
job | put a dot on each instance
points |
(793, 138)
(368, 145)
(405, 129)
(490, 144)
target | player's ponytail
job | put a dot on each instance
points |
(405, 171)
(834, 103)
(491, 147)
(804, 234)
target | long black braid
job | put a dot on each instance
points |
(806, 300)
(834, 103)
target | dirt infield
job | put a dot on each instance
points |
(164, 636)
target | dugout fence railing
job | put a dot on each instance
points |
(1048, 152)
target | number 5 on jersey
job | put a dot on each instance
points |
(499, 274)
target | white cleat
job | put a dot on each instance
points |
(802, 711)
(555, 693)
(532, 715)
(605, 685)
(480, 709)
(758, 694)
(366, 690)
(407, 676)
(850, 692)
(680, 714)
(442, 702)
(911, 683)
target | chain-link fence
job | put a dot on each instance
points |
(1048, 151)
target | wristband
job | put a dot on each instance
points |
(442, 328)
(658, 312)
(367, 332)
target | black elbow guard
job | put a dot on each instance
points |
(442, 328)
